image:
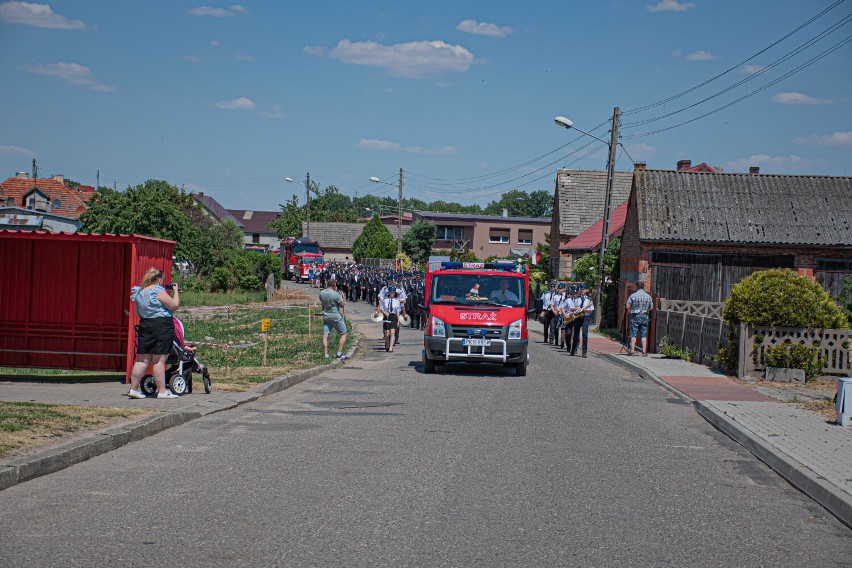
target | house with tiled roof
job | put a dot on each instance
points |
(336, 239)
(578, 202)
(255, 229)
(47, 201)
(487, 235)
(214, 209)
(589, 241)
(693, 235)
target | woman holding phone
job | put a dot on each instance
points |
(154, 307)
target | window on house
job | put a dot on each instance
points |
(496, 235)
(255, 237)
(448, 233)
(525, 236)
(36, 202)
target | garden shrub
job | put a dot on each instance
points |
(779, 298)
(791, 356)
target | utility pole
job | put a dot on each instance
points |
(35, 170)
(399, 217)
(98, 183)
(610, 176)
(308, 205)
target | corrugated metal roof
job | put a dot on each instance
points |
(580, 195)
(744, 208)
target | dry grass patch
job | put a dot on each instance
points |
(28, 425)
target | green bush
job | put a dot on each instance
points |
(220, 280)
(669, 349)
(779, 298)
(791, 356)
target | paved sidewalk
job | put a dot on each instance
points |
(813, 454)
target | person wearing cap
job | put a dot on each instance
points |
(559, 319)
(400, 295)
(547, 314)
(638, 304)
(587, 307)
(572, 308)
(390, 307)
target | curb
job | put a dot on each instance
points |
(93, 444)
(803, 479)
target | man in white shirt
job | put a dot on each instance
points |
(400, 295)
(503, 294)
(588, 307)
(547, 314)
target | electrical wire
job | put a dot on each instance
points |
(738, 65)
(790, 73)
(765, 70)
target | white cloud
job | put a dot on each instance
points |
(215, 42)
(36, 15)
(411, 60)
(16, 151)
(669, 6)
(790, 98)
(835, 139)
(218, 12)
(241, 103)
(277, 113)
(700, 56)
(387, 145)
(192, 57)
(243, 57)
(316, 51)
(371, 144)
(753, 69)
(441, 151)
(483, 28)
(73, 74)
(776, 164)
(641, 149)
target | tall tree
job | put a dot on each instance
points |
(418, 241)
(375, 241)
(522, 204)
(289, 222)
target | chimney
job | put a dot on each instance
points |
(683, 165)
(639, 167)
(58, 177)
(754, 170)
(22, 175)
(504, 212)
(200, 194)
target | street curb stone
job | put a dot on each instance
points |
(645, 374)
(803, 479)
(96, 443)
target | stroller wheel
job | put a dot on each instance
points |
(205, 375)
(148, 386)
(178, 384)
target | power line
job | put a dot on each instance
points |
(741, 63)
(790, 73)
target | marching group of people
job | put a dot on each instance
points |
(566, 315)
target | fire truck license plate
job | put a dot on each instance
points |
(476, 342)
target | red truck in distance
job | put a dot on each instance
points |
(298, 257)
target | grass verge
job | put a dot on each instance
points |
(28, 425)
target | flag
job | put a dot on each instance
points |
(536, 256)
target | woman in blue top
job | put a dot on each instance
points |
(154, 307)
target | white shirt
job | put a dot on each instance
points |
(391, 305)
(503, 295)
(400, 294)
(588, 305)
(547, 300)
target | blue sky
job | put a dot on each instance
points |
(231, 99)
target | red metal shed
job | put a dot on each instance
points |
(65, 298)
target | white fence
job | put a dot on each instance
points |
(832, 343)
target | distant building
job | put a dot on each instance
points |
(487, 235)
(42, 204)
(254, 226)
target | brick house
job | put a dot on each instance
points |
(336, 238)
(43, 203)
(578, 202)
(254, 226)
(487, 235)
(589, 241)
(692, 236)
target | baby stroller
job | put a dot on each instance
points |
(181, 363)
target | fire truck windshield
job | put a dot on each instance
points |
(312, 260)
(478, 290)
(297, 248)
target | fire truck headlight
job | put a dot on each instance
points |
(438, 327)
(515, 330)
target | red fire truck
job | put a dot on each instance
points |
(477, 312)
(298, 256)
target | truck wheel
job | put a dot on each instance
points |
(428, 364)
(298, 280)
(521, 368)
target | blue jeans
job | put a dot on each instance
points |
(638, 325)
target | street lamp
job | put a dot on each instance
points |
(307, 202)
(610, 174)
(374, 179)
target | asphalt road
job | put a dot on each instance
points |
(376, 464)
